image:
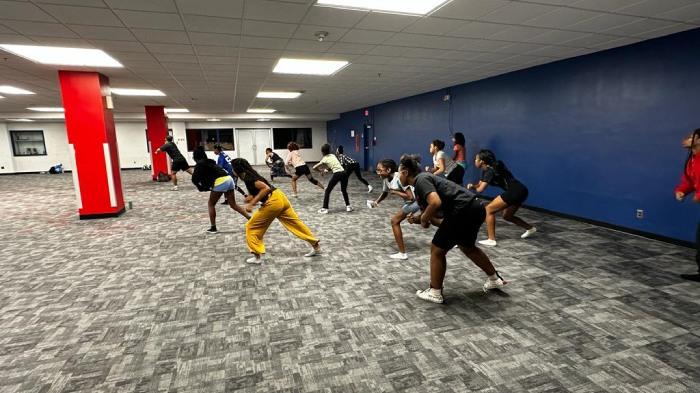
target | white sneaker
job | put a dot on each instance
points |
(399, 255)
(528, 233)
(314, 252)
(499, 282)
(322, 211)
(295, 195)
(349, 208)
(254, 260)
(369, 188)
(174, 188)
(428, 295)
(488, 242)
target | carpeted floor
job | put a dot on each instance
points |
(148, 302)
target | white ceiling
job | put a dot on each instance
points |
(213, 56)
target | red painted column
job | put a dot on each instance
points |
(92, 142)
(156, 131)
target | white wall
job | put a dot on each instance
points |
(131, 139)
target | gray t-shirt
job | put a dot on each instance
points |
(172, 150)
(449, 164)
(453, 196)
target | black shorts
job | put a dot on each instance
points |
(460, 228)
(179, 165)
(302, 170)
(515, 195)
(457, 175)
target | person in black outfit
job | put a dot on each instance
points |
(351, 165)
(179, 161)
(495, 173)
(462, 216)
(208, 176)
(276, 164)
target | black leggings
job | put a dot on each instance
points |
(355, 167)
(341, 177)
(457, 175)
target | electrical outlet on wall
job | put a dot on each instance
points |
(640, 214)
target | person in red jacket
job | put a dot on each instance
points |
(690, 183)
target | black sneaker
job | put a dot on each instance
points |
(212, 230)
(224, 203)
(691, 277)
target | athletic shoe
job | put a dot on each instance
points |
(691, 277)
(212, 230)
(499, 282)
(399, 255)
(369, 189)
(349, 208)
(488, 242)
(314, 252)
(224, 203)
(295, 195)
(428, 295)
(322, 211)
(254, 260)
(174, 188)
(528, 233)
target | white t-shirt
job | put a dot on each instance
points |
(393, 183)
(449, 164)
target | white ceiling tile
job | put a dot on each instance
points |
(478, 30)
(268, 29)
(39, 29)
(263, 53)
(424, 52)
(263, 42)
(206, 50)
(481, 45)
(689, 13)
(435, 26)
(220, 8)
(590, 40)
(307, 32)
(100, 32)
(366, 36)
(386, 22)
(517, 13)
(218, 60)
(518, 33)
(82, 3)
(23, 11)
(214, 39)
(83, 15)
(470, 9)
(561, 18)
(639, 27)
(326, 16)
(177, 58)
(119, 46)
(344, 47)
(652, 8)
(184, 49)
(209, 24)
(141, 5)
(554, 37)
(604, 5)
(667, 30)
(385, 50)
(166, 36)
(603, 22)
(519, 48)
(150, 20)
(308, 45)
(274, 11)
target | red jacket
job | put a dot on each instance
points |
(690, 180)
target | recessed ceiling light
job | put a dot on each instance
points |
(137, 92)
(5, 89)
(253, 110)
(309, 67)
(213, 119)
(1, 97)
(63, 56)
(263, 119)
(177, 110)
(414, 7)
(279, 94)
(45, 109)
(21, 120)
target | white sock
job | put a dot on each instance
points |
(435, 292)
(493, 277)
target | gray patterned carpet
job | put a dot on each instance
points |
(150, 303)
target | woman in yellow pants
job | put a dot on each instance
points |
(274, 204)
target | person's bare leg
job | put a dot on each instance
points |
(438, 266)
(316, 182)
(396, 228)
(174, 178)
(231, 199)
(294, 184)
(509, 215)
(479, 258)
(211, 205)
(492, 208)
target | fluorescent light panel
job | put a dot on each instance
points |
(213, 119)
(177, 110)
(263, 119)
(21, 120)
(309, 67)
(80, 57)
(45, 109)
(261, 110)
(414, 7)
(137, 92)
(279, 94)
(5, 89)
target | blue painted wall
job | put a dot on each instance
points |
(596, 136)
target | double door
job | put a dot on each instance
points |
(251, 144)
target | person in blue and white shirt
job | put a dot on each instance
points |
(224, 161)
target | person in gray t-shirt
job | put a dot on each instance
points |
(179, 162)
(443, 165)
(463, 215)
